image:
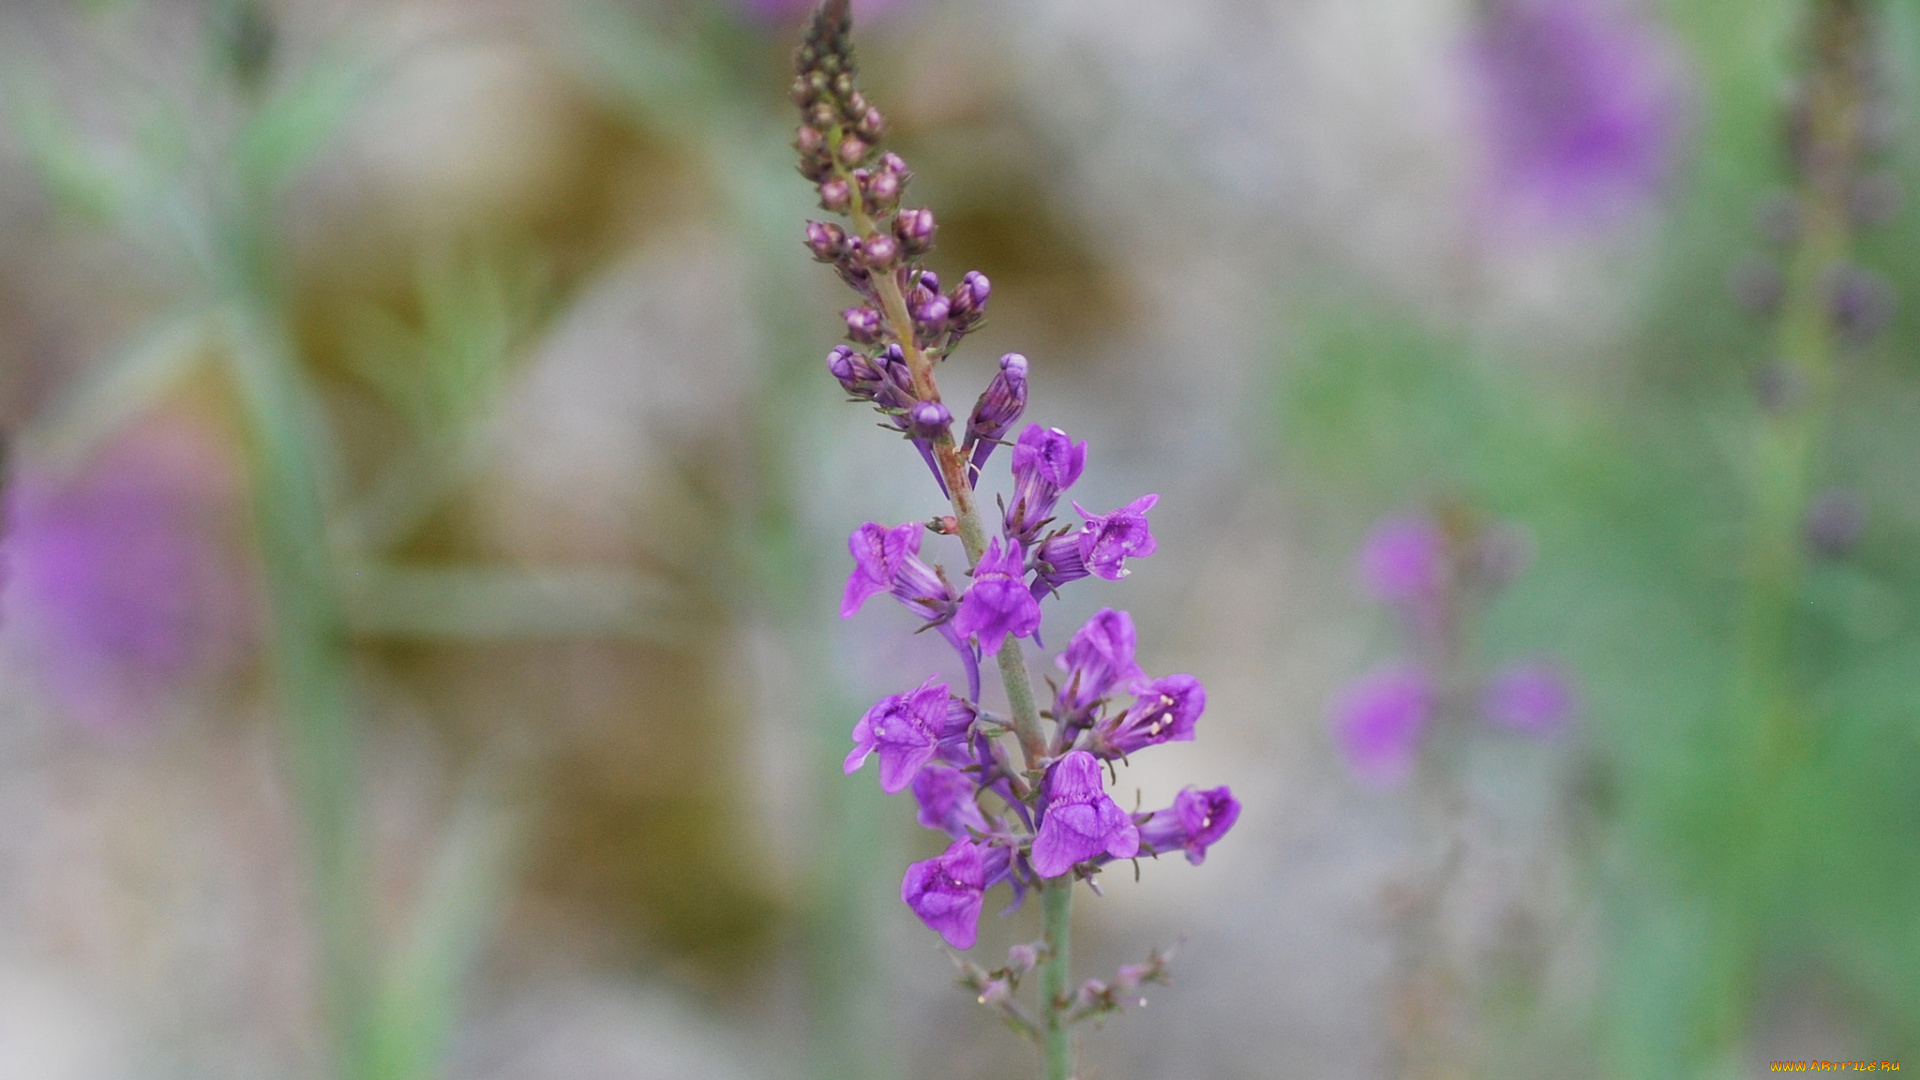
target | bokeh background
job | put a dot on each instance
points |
(426, 512)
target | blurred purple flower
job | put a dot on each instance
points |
(1098, 660)
(1580, 105)
(1196, 821)
(1405, 561)
(1378, 722)
(129, 576)
(1082, 819)
(1534, 696)
(946, 797)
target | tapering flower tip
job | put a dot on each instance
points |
(998, 603)
(836, 195)
(1405, 560)
(1378, 723)
(888, 560)
(946, 892)
(946, 798)
(1859, 304)
(968, 302)
(863, 325)
(1045, 463)
(1000, 404)
(928, 420)
(1109, 540)
(1164, 710)
(1836, 521)
(906, 730)
(1081, 820)
(1580, 108)
(1536, 697)
(1195, 822)
(827, 242)
(1098, 660)
(914, 229)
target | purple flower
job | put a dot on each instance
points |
(1098, 659)
(129, 577)
(1000, 405)
(1579, 106)
(888, 560)
(946, 797)
(1164, 710)
(1405, 561)
(998, 602)
(1058, 560)
(946, 892)
(1082, 820)
(906, 730)
(1110, 539)
(1045, 463)
(1533, 697)
(1196, 821)
(1379, 720)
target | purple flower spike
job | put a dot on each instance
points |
(998, 603)
(1110, 539)
(1535, 697)
(905, 730)
(946, 892)
(1000, 405)
(1196, 821)
(1405, 561)
(1098, 659)
(946, 797)
(1045, 463)
(888, 560)
(1164, 710)
(1378, 723)
(1082, 820)
(1580, 109)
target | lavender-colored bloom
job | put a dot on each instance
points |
(1405, 561)
(1535, 697)
(967, 304)
(928, 420)
(1082, 819)
(914, 229)
(998, 602)
(906, 730)
(947, 892)
(1045, 463)
(999, 407)
(1378, 723)
(947, 803)
(1196, 821)
(1061, 558)
(1110, 539)
(1164, 710)
(1099, 659)
(1579, 107)
(128, 577)
(888, 560)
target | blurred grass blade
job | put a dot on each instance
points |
(296, 122)
(115, 390)
(78, 177)
(475, 604)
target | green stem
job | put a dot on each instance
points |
(1056, 927)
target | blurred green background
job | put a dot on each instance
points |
(427, 508)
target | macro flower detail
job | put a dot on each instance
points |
(1110, 539)
(888, 560)
(1099, 659)
(1164, 710)
(946, 892)
(1082, 820)
(998, 604)
(1045, 464)
(947, 802)
(1195, 822)
(1378, 723)
(999, 407)
(905, 730)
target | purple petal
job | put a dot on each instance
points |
(1378, 723)
(946, 892)
(1405, 561)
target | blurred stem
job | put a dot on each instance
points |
(1056, 928)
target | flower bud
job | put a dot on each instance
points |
(809, 141)
(996, 993)
(1022, 959)
(928, 420)
(895, 164)
(914, 230)
(827, 242)
(863, 324)
(879, 252)
(882, 190)
(871, 125)
(853, 150)
(1000, 405)
(856, 373)
(967, 304)
(835, 195)
(930, 321)
(822, 115)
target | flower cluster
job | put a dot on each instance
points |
(1433, 570)
(1047, 815)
